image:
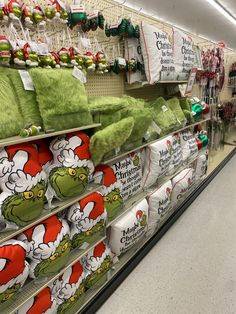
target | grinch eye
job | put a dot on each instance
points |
(54, 256)
(82, 176)
(65, 247)
(99, 270)
(73, 298)
(40, 193)
(115, 197)
(106, 199)
(72, 172)
(8, 296)
(28, 195)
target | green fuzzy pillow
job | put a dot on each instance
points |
(133, 102)
(186, 106)
(174, 105)
(62, 99)
(106, 109)
(106, 140)
(163, 116)
(11, 120)
(26, 100)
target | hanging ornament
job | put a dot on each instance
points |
(5, 51)
(122, 27)
(38, 15)
(64, 57)
(55, 59)
(31, 57)
(77, 15)
(107, 30)
(15, 10)
(90, 61)
(136, 32)
(73, 52)
(86, 27)
(3, 13)
(18, 55)
(102, 65)
(132, 65)
(46, 61)
(93, 20)
(101, 20)
(27, 16)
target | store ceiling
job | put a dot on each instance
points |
(199, 17)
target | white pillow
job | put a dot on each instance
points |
(157, 162)
(188, 144)
(159, 205)
(129, 229)
(201, 167)
(176, 156)
(157, 53)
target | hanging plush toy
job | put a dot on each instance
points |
(77, 15)
(60, 11)
(15, 10)
(3, 13)
(64, 57)
(47, 61)
(32, 59)
(132, 65)
(55, 59)
(80, 61)
(19, 56)
(73, 52)
(38, 15)
(93, 20)
(90, 61)
(102, 65)
(5, 51)
(101, 20)
(48, 246)
(28, 15)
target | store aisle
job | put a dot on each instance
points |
(192, 269)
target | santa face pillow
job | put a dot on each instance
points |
(88, 218)
(157, 161)
(72, 167)
(23, 185)
(48, 246)
(71, 288)
(14, 269)
(42, 303)
(111, 190)
(176, 156)
(129, 229)
(188, 144)
(201, 167)
(159, 205)
(181, 185)
(96, 263)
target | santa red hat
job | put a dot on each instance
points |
(105, 175)
(63, 51)
(12, 4)
(96, 256)
(45, 156)
(13, 267)
(26, 171)
(71, 280)
(44, 238)
(139, 214)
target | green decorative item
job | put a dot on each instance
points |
(185, 104)
(46, 61)
(93, 21)
(27, 16)
(174, 105)
(66, 105)
(64, 57)
(5, 51)
(15, 10)
(204, 139)
(129, 32)
(136, 32)
(19, 56)
(32, 131)
(77, 16)
(38, 16)
(123, 27)
(132, 65)
(86, 27)
(113, 136)
(101, 20)
(102, 65)
(90, 61)
(107, 30)
(197, 111)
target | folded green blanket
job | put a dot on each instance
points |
(174, 105)
(62, 99)
(186, 106)
(111, 137)
(163, 116)
(11, 120)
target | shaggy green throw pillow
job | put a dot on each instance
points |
(174, 105)
(62, 99)
(106, 140)
(186, 106)
(11, 120)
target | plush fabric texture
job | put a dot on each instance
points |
(163, 116)
(185, 104)
(106, 109)
(11, 120)
(113, 136)
(62, 99)
(174, 105)
(27, 102)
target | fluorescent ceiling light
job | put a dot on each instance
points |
(221, 9)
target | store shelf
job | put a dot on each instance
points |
(33, 287)
(18, 139)
(138, 85)
(123, 154)
(58, 206)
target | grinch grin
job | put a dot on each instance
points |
(69, 182)
(64, 307)
(98, 274)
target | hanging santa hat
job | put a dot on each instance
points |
(96, 256)
(27, 171)
(105, 175)
(72, 150)
(14, 9)
(44, 238)
(71, 280)
(42, 303)
(14, 269)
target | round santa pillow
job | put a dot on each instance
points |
(129, 229)
(72, 288)
(69, 175)
(48, 246)
(14, 269)
(23, 185)
(88, 219)
(96, 264)
(201, 167)
(159, 206)
(181, 185)
(42, 303)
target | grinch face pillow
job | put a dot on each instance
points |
(201, 167)
(181, 185)
(23, 185)
(188, 144)
(129, 229)
(48, 246)
(71, 288)
(111, 189)
(157, 161)
(88, 219)
(177, 155)
(14, 269)
(159, 205)
(71, 169)
(42, 303)
(96, 263)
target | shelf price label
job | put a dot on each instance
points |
(191, 81)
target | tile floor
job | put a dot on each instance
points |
(192, 269)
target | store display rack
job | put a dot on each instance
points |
(146, 84)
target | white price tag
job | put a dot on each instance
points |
(122, 61)
(43, 49)
(26, 80)
(164, 108)
(155, 127)
(86, 43)
(79, 75)
(76, 8)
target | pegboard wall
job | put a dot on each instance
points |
(59, 36)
